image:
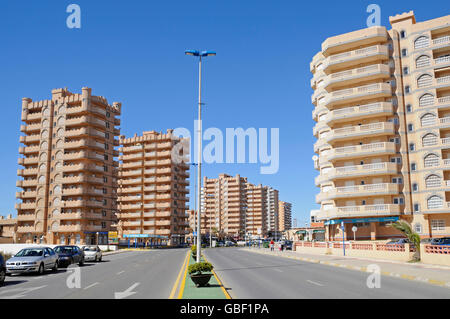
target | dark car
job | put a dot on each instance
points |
(440, 241)
(2, 270)
(68, 255)
(288, 245)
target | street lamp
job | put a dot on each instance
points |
(200, 55)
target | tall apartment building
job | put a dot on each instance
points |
(256, 217)
(272, 210)
(69, 173)
(284, 215)
(224, 204)
(152, 189)
(382, 107)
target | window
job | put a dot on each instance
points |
(433, 181)
(431, 160)
(428, 119)
(395, 140)
(410, 127)
(397, 160)
(404, 52)
(424, 80)
(398, 200)
(416, 207)
(415, 187)
(407, 90)
(421, 42)
(429, 139)
(402, 34)
(409, 108)
(397, 180)
(434, 202)
(418, 228)
(437, 224)
(426, 100)
(405, 70)
(413, 166)
(422, 61)
(412, 147)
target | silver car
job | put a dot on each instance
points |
(92, 253)
(33, 259)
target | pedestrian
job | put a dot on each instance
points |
(272, 243)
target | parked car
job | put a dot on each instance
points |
(288, 245)
(220, 244)
(230, 243)
(440, 241)
(400, 241)
(2, 270)
(34, 259)
(69, 254)
(92, 253)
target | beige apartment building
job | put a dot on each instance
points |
(224, 205)
(153, 189)
(382, 112)
(284, 216)
(8, 228)
(256, 216)
(69, 175)
(272, 210)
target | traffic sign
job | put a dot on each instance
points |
(354, 229)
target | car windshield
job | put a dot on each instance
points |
(30, 252)
(89, 248)
(65, 250)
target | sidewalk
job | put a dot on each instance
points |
(432, 274)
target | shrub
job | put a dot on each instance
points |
(199, 268)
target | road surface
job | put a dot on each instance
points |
(257, 276)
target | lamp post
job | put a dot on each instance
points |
(200, 55)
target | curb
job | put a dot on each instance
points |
(363, 269)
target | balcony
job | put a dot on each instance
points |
(26, 217)
(130, 173)
(356, 94)
(357, 170)
(359, 191)
(27, 183)
(353, 58)
(25, 206)
(129, 190)
(130, 215)
(31, 194)
(130, 206)
(360, 211)
(356, 151)
(354, 76)
(69, 228)
(356, 38)
(441, 60)
(373, 129)
(442, 41)
(25, 229)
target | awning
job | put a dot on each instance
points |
(144, 236)
(319, 231)
(362, 220)
(300, 232)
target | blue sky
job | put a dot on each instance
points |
(133, 52)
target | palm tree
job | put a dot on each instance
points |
(413, 237)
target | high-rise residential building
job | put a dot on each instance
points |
(284, 215)
(224, 205)
(153, 188)
(256, 216)
(69, 173)
(272, 210)
(382, 107)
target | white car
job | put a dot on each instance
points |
(92, 253)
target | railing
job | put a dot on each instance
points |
(443, 79)
(437, 249)
(390, 247)
(443, 59)
(441, 40)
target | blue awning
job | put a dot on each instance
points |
(362, 220)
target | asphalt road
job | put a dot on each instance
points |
(131, 274)
(256, 276)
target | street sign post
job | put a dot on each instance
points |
(354, 229)
(343, 235)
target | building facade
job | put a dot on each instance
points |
(382, 104)
(69, 175)
(272, 211)
(153, 189)
(224, 205)
(8, 228)
(284, 215)
(256, 216)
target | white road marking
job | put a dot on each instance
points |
(90, 286)
(120, 272)
(277, 270)
(314, 283)
(21, 292)
(126, 293)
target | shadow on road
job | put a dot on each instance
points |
(12, 283)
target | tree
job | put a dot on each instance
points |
(406, 229)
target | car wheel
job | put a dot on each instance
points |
(2, 277)
(41, 269)
(55, 267)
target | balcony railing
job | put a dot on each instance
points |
(359, 211)
(359, 191)
(359, 150)
(441, 40)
